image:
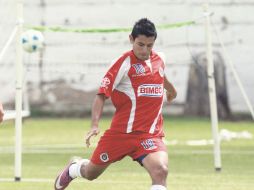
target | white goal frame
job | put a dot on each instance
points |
(18, 113)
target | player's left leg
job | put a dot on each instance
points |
(78, 168)
(156, 164)
(63, 179)
(89, 170)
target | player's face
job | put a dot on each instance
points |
(142, 46)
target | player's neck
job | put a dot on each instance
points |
(141, 59)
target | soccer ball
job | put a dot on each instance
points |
(32, 40)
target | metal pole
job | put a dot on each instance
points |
(212, 91)
(235, 74)
(18, 103)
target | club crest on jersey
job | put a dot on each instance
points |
(104, 157)
(139, 68)
(148, 144)
(105, 82)
(150, 90)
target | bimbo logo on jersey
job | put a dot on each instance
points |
(139, 68)
(151, 90)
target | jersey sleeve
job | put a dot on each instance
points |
(113, 77)
(163, 57)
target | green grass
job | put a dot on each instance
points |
(49, 143)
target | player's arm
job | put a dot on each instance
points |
(110, 79)
(1, 112)
(170, 89)
(97, 109)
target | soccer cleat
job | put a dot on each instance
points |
(63, 179)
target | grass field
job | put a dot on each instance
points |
(49, 143)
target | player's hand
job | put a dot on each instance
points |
(170, 96)
(93, 132)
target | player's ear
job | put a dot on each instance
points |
(131, 39)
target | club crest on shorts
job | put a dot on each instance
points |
(148, 144)
(104, 157)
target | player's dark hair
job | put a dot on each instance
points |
(144, 27)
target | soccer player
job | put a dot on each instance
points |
(1, 112)
(135, 82)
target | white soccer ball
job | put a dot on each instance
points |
(32, 41)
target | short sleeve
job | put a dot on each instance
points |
(113, 76)
(163, 57)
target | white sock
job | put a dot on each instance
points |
(158, 187)
(74, 170)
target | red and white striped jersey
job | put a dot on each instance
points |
(136, 90)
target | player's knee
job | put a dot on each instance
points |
(91, 177)
(161, 171)
(88, 174)
(164, 170)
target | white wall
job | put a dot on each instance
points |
(68, 53)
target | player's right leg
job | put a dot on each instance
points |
(78, 168)
(156, 164)
(87, 170)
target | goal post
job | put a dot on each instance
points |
(13, 48)
(19, 88)
(212, 89)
